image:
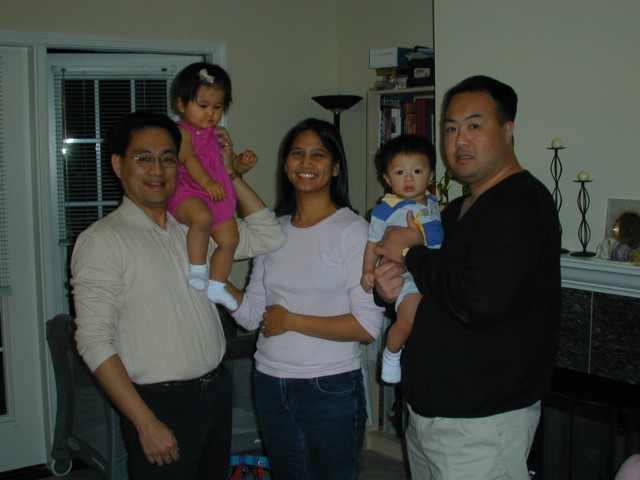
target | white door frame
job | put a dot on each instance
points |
(22, 427)
(48, 267)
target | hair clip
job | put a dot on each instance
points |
(205, 77)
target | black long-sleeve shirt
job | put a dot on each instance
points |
(484, 340)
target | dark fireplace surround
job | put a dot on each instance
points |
(591, 416)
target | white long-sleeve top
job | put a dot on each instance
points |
(132, 297)
(316, 272)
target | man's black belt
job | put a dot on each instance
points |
(201, 383)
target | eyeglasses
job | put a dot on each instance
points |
(146, 160)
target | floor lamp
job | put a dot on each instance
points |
(337, 104)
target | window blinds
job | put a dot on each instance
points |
(88, 102)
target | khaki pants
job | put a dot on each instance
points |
(494, 447)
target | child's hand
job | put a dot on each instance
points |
(245, 161)
(367, 281)
(215, 191)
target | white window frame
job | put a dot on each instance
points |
(50, 265)
(52, 259)
(93, 70)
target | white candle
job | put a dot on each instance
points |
(583, 176)
(556, 143)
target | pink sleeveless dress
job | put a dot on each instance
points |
(205, 144)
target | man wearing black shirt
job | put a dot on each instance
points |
(484, 341)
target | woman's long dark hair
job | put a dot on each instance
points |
(330, 138)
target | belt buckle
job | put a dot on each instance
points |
(205, 382)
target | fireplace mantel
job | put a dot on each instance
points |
(597, 275)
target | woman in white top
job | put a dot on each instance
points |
(312, 313)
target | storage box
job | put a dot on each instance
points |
(421, 72)
(388, 57)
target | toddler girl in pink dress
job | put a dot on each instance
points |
(204, 198)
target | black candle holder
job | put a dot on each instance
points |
(584, 231)
(556, 173)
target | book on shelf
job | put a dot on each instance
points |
(392, 71)
(425, 117)
(406, 113)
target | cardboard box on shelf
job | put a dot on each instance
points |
(389, 57)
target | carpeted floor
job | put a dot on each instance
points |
(376, 466)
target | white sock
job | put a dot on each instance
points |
(217, 294)
(198, 276)
(391, 372)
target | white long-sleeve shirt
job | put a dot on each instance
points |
(132, 297)
(316, 272)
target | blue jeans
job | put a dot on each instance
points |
(312, 428)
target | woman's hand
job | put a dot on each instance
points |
(274, 321)
(226, 148)
(277, 320)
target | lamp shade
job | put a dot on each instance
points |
(337, 104)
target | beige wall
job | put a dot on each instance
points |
(575, 67)
(280, 53)
(572, 63)
(363, 25)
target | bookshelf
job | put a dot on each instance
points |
(390, 112)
